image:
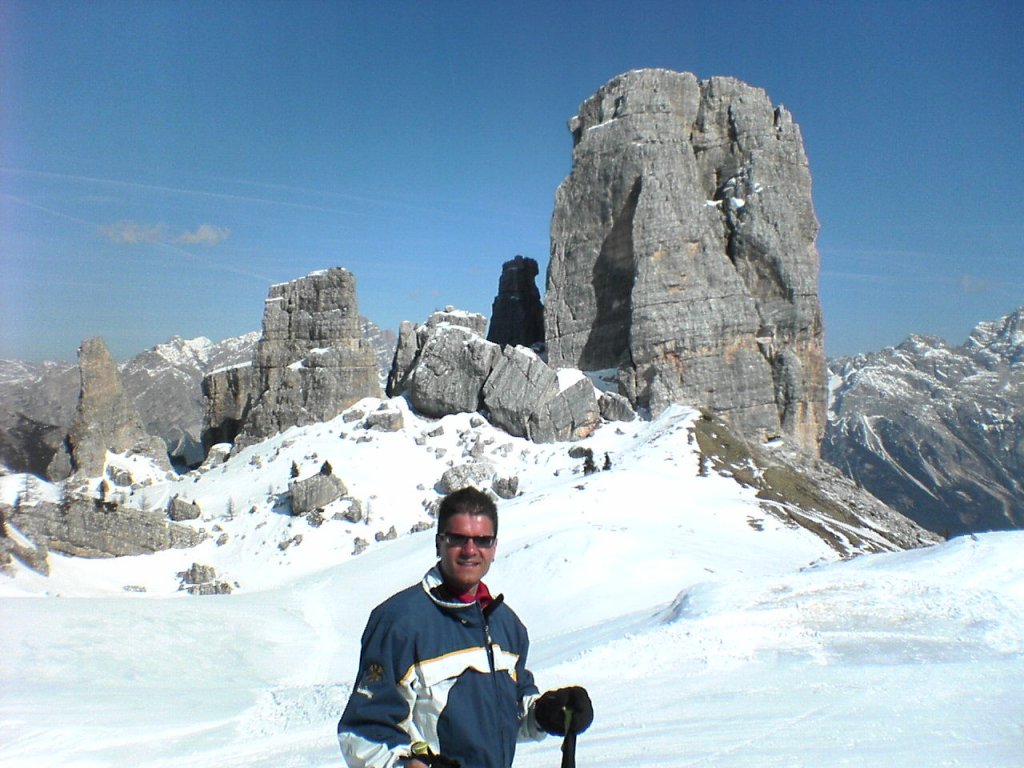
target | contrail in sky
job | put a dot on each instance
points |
(176, 190)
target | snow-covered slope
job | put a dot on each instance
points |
(708, 631)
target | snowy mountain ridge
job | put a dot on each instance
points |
(934, 430)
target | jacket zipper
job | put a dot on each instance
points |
(494, 681)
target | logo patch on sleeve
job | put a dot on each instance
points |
(372, 674)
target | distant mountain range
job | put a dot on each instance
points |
(936, 431)
(38, 400)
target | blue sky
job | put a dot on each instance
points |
(163, 163)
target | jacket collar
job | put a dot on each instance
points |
(433, 585)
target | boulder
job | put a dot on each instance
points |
(450, 371)
(412, 338)
(479, 474)
(571, 414)
(315, 492)
(506, 487)
(180, 510)
(518, 386)
(615, 407)
(385, 420)
(683, 253)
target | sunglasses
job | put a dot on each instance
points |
(456, 540)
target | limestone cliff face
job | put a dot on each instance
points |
(227, 395)
(312, 360)
(105, 419)
(683, 253)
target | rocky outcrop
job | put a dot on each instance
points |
(517, 315)
(937, 431)
(412, 338)
(525, 397)
(87, 527)
(311, 363)
(228, 394)
(455, 370)
(316, 492)
(202, 580)
(106, 420)
(683, 253)
(450, 371)
(805, 491)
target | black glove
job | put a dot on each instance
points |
(551, 710)
(420, 751)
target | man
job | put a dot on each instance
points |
(442, 672)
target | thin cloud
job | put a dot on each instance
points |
(134, 233)
(970, 284)
(205, 234)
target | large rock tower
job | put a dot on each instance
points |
(683, 253)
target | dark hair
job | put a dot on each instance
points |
(466, 501)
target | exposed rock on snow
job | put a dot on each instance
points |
(316, 492)
(413, 338)
(479, 474)
(807, 492)
(179, 510)
(89, 527)
(455, 370)
(201, 580)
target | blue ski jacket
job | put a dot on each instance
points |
(444, 672)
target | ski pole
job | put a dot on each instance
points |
(568, 742)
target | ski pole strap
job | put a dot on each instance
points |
(569, 742)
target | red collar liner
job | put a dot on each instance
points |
(482, 596)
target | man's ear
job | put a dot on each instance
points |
(437, 545)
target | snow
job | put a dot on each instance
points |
(707, 631)
(247, 364)
(604, 380)
(567, 377)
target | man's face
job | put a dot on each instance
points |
(464, 566)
